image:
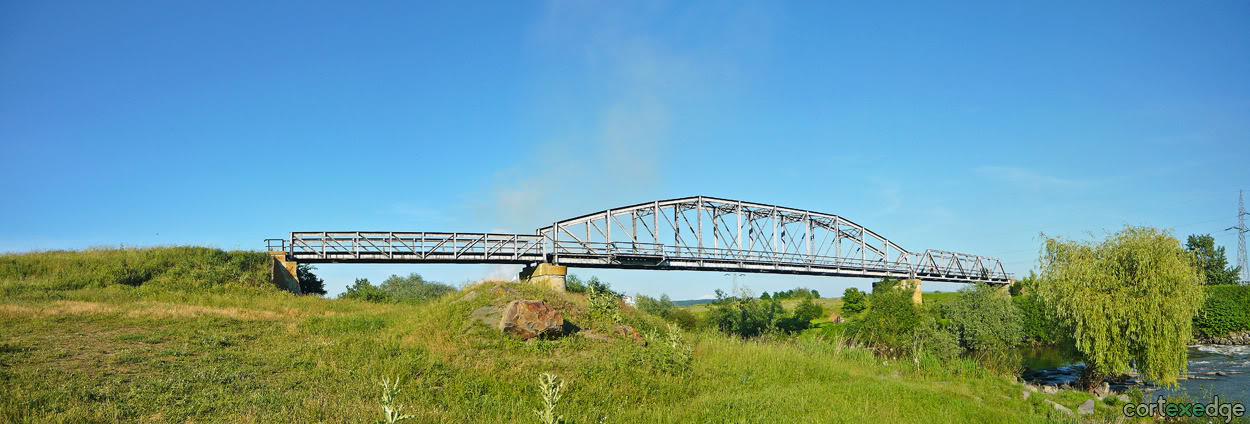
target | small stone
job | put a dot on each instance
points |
(1102, 390)
(1221, 373)
(1031, 387)
(1059, 407)
(1086, 407)
(467, 297)
(630, 333)
(1024, 394)
(1123, 398)
(1050, 390)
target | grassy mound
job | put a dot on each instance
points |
(120, 353)
(187, 268)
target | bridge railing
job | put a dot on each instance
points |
(423, 246)
(931, 264)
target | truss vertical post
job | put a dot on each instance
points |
(739, 214)
(698, 218)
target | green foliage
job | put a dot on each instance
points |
(1128, 300)
(854, 301)
(169, 268)
(808, 310)
(1226, 310)
(930, 340)
(413, 288)
(795, 293)
(574, 284)
(604, 304)
(665, 308)
(309, 283)
(890, 324)
(391, 412)
(984, 319)
(667, 352)
(1037, 324)
(765, 296)
(743, 315)
(1210, 260)
(396, 289)
(549, 387)
(362, 289)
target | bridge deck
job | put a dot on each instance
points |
(429, 247)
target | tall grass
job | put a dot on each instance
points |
(185, 268)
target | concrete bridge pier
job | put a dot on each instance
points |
(912, 284)
(283, 273)
(546, 275)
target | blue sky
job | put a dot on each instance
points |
(970, 127)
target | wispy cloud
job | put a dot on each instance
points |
(641, 81)
(1027, 177)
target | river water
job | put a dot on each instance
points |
(1213, 370)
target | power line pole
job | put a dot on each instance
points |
(1241, 235)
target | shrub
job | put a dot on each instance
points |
(363, 290)
(984, 319)
(667, 352)
(808, 310)
(853, 302)
(891, 322)
(665, 308)
(604, 305)
(1226, 310)
(744, 316)
(413, 288)
(1037, 324)
(309, 283)
(396, 289)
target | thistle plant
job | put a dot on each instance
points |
(392, 413)
(550, 389)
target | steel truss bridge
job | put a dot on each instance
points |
(691, 233)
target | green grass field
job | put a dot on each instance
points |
(237, 350)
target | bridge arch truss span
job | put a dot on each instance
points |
(714, 234)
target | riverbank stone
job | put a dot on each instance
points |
(1086, 407)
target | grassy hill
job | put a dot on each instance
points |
(200, 339)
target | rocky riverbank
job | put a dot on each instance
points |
(1232, 339)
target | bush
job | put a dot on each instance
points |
(396, 289)
(984, 319)
(667, 352)
(1037, 325)
(890, 324)
(604, 305)
(1226, 310)
(744, 316)
(309, 283)
(986, 323)
(853, 302)
(363, 290)
(808, 310)
(665, 308)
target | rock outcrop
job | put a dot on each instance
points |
(1232, 339)
(531, 318)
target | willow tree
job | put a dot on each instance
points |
(1128, 301)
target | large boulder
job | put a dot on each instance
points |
(531, 318)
